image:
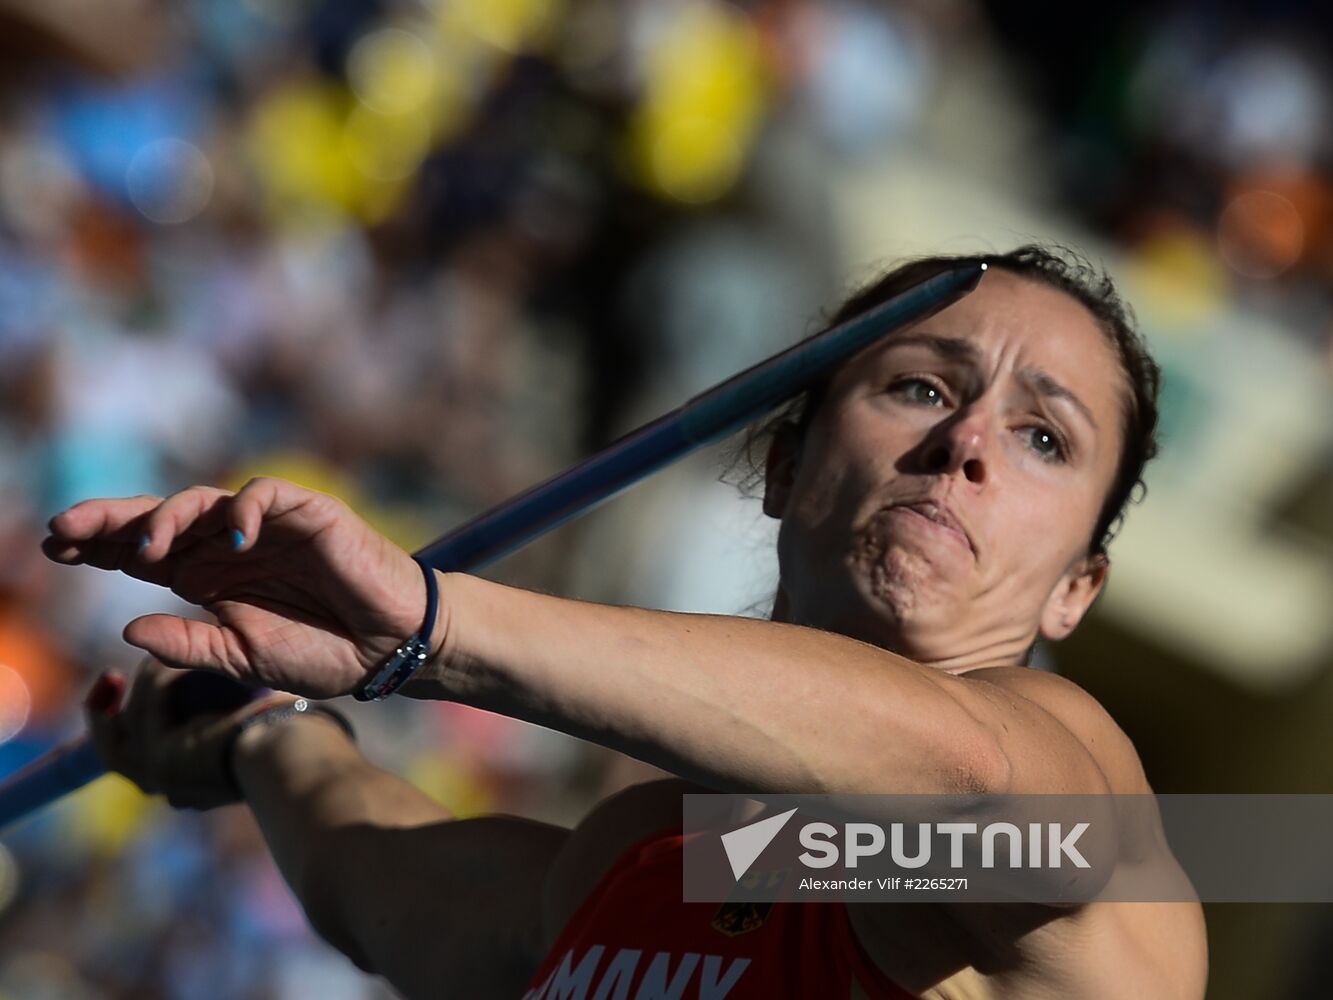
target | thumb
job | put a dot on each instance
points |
(182, 642)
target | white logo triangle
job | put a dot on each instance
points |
(747, 843)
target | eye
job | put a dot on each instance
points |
(919, 391)
(1046, 443)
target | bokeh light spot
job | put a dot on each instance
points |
(295, 144)
(695, 159)
(392, 71)
(705, 92)
(1260, 234)
(170, 181)
(1177, 279)
(15, 703)
(508, 25)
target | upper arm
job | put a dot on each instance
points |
(1053, 737)
(452, 908)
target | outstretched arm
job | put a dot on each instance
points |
(310, 599)
(439, 907)
(738, 703)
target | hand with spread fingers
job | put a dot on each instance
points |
(308, 597)
(138, 734)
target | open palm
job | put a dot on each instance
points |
(308, 598)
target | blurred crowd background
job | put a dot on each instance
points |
(424, 253)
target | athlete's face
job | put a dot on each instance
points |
(999, 416)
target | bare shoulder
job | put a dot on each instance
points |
(1162, 946)
(1078, 712)
(1151, 949)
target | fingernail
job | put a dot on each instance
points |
(237, 538)
(105, 694)
(95, 701)
(144, 541)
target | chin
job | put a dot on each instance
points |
(904, 580)
(905, 595)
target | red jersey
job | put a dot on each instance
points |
(633, 939)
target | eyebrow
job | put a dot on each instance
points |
(949, 348)
(1042, 383)
(958, 349)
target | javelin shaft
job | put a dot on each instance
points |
(63, 770)
(706, 418)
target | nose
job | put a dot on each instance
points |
(959, 444)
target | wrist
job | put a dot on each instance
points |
(390, 674)
(437, 677)
(264, 737)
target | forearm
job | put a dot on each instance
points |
(732, 702)
(436, 906)
(308, 786)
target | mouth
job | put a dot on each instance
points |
(942, 517)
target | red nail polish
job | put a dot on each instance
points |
(104, 698)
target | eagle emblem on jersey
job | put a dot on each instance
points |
(733, 919)
(739, 915)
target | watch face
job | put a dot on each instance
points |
(404, 662)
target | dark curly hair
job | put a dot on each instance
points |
(1059, 267)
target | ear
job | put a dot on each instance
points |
(1073, 595)
(784, 453)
